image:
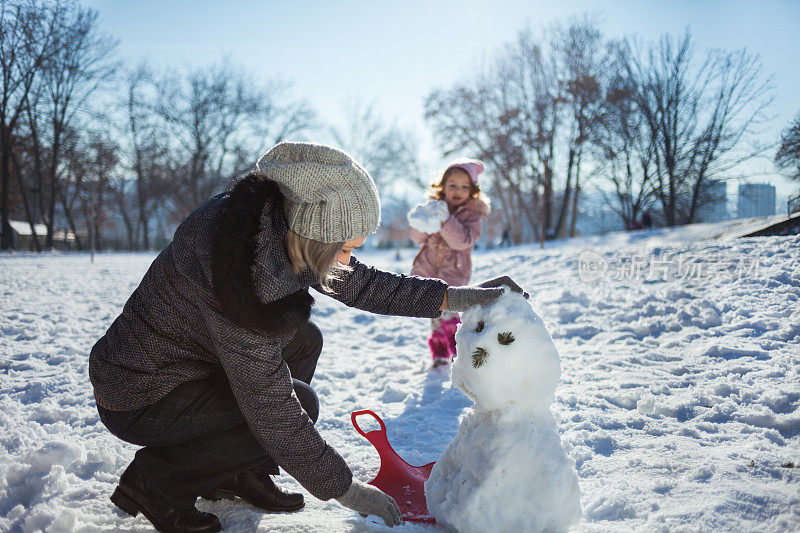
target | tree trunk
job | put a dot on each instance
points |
(136, 232)
(7, 239)
(577, 194)
(126, 219)
(672, 199)
(547, 199)
(97, 219)
(145, 233)
(142, 220)
(53, 186)
(542, 229)
(91, 244)
(37, 167)
(70, 219)
(98, 243)
(31, 222)
(521, 201)
(565, 203)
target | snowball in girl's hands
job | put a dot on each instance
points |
(506, 356)
(428, 217)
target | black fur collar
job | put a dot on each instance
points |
(253, 279)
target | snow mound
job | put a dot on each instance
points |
(506, 469)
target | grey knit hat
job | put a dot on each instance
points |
(328, 196)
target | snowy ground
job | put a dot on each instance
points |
(679, 400)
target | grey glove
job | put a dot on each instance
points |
(367, 499)
(462, 298)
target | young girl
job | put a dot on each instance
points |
(447, 227)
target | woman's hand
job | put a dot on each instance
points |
(462, 298)
(504, 280)
(369, 500)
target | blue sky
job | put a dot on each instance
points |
(395, 53)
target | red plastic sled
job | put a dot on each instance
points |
(397, 478)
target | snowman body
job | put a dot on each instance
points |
(506, 469)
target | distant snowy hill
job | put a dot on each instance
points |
(679, 397)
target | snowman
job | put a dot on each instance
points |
(506, 469)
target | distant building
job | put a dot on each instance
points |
(755, 200)
(715, 205)
(596, 217)
(23, 237)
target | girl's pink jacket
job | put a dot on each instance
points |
(446, 254)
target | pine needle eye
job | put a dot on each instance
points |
(505, 338)
(479, 327)
(479, 357)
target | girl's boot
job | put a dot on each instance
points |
(449, 328)
(437, 342)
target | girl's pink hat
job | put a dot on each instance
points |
(473, 167)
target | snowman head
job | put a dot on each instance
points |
(506, 357)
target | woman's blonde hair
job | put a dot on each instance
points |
(320, 257)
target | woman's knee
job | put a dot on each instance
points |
(308, 399)
(307, 342)
(314, 336)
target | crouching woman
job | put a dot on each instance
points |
(209, 365)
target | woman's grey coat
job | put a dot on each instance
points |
(175, 328)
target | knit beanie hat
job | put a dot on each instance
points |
(328, 196)
(473, 167)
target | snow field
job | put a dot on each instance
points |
(678, 398)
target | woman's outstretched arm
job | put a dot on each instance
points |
(386, 293)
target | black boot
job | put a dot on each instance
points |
(132, 496)
(258, 490)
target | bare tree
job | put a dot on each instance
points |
(582, 60)
(788, 155)
(27, 32)
(37, 152)
(184, 139)
(69, 73)
(79, 65)
(528, 92)
(622, 143)
(699, 116)
(122, 192)
(218, 120)
(23, 168)
(146, 155)
(71, 180)
(98, 166)
(384, 148)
